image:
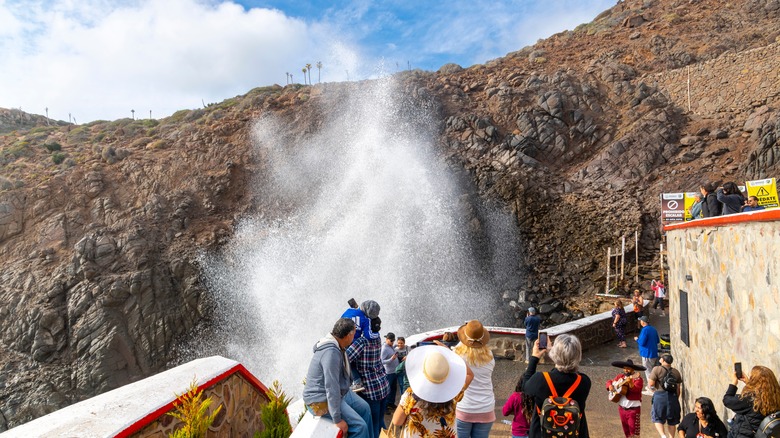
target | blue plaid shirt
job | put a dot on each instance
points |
(366, 355)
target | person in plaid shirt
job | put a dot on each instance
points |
(366, 354)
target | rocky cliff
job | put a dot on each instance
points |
(101, 225)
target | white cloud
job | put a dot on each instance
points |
(98, 60)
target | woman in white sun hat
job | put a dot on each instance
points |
(437, 378)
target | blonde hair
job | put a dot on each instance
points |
(763, 387)
(474, 356)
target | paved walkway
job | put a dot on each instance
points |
(603, 420)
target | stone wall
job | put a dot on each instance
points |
(733, 300)
(240, 415)
(731, 82)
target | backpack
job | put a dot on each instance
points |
(769, 427)
(669, 382)
(560, 416)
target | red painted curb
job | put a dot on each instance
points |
(738, 218)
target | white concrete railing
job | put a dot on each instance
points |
(126, 410)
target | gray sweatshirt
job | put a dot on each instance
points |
(328, 376)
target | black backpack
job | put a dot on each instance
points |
(669, 382)
(769, 427)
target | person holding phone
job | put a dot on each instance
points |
(759, 398)
(566, 353)
(476, 411)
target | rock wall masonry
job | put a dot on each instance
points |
(731, 82)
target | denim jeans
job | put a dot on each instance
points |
(392, 379)
(473, 430)
(356, 412)
(377, 415)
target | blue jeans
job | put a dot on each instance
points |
(473, 430)
(377, 415)
(357, 414)
(392, 379)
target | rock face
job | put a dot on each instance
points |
(101, 225)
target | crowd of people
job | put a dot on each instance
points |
(722, 201)
(446, 388)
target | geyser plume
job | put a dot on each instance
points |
(362, 208)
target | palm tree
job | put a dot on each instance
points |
(308, 68)
(304, 75)
(319, 70)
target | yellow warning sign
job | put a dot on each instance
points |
(765, 190)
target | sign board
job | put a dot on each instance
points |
(690, 199)
(765, 190)
(672, 207)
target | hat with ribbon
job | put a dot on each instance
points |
(473, 334)
(436, 374)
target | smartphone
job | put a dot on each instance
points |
(352, 303)
(542, 341)
(738, 369)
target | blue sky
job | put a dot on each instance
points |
(98, 59)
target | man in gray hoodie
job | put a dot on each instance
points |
(327, 390)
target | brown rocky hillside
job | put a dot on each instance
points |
(101, 224)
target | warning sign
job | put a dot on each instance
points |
(765, 190)
(690, 199)
(672, 207)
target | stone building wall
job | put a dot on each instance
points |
(731, 82)
(733, 301)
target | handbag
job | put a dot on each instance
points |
(391, 432)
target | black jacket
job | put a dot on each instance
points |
(536, 386)
(746, 420)
(732, 202)
(710, 206)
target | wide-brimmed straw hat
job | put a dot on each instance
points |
(473, 334)
(436, 374)
(628, 364)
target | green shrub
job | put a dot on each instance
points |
(58, 157)
(274, 415)
(53, 147)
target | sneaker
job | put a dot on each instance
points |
(357, 387)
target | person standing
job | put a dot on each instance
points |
(619, 321)
(475, 413)
(532, 322)
(659, 293)
(666, 398)
(390, 362)
(752, 205)
(648, 348)
(326, 392)
(710, 206)
(759, 398)
(629, 383)
(696, 208)
(730, 197)
(639, 306)
(702, 422)
(566, 354)
(366, 354)
(520, 406)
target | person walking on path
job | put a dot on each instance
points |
(667, 382)
(326, 392)
(619, 322)
(476, 411)
(648, 348)
(390, 361)
(629, 383)
(532, 322)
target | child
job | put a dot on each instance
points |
(521, 406)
